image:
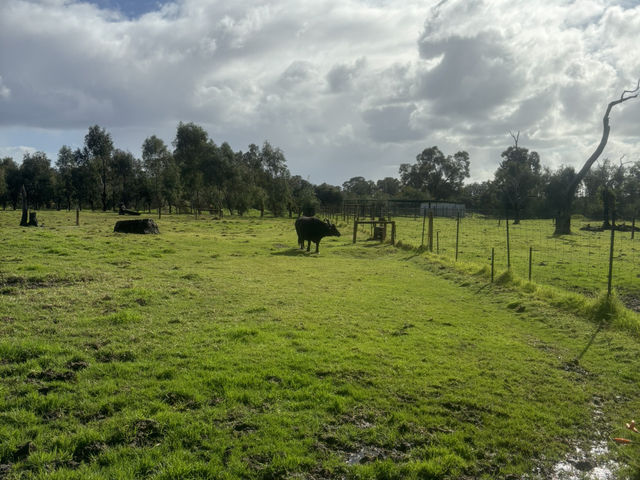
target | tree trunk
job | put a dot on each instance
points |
(563, 222)
(24, 221)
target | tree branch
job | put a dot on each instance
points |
(606, 128)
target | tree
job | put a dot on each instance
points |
(124, 181)
(303, 197)
(274, 165)
(329, 195)
(480, 197)
(13, 179)
(631, 189)
(4, 188)
(37, 177)
(556, 186)
(517, 177)
(358, 187)
(191, 146)
(65, 164)
(389, 186)
(565, 201)
(156, 161)
(99, 146)
(436, 175)
(603, 185)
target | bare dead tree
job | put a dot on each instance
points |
(515, 138)
(563, 218)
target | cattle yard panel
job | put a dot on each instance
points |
(381, 223)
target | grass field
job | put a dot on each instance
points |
(577, 262)
(218, 350)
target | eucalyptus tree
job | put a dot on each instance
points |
(303, 198)
(358, 187)
(65, 164)
(388, 186)
(517, 177)
(565, 201)
(99, 147)
(329, 195)
(37, 178)
(274, 165)
(124, 180)
(85, 179)
(4, 186)
(435, 175)
(156, 160)
(603, 186)
(191, 147)
(13, 179)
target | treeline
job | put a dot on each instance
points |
(198, 174)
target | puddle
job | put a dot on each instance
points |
(366, 455)
(586, 465)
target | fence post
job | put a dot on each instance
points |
(430, 230)
(530, 258)
(506, 221)
(613, 233)
(493, 256)
(355, 230)
(424, 219)
(633, 227)
(77, 216)
(438, 242)
(457, 234)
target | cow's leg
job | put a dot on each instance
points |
(308, 245)
(317, 246)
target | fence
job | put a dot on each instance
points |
(578, 262)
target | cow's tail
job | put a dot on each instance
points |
(299, 233)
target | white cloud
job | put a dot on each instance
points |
(344, 87)
(4, 90)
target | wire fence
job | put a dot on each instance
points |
(578, 262)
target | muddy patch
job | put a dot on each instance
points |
(146, 433)
(591, 463)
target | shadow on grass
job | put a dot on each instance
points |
(293, 252)
(590, 342)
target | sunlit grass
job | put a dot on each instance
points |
(217, 349)
(577, 262)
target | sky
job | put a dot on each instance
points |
(344, 87)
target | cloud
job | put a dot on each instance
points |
(4, 90)
(341, 76)
(341, 86)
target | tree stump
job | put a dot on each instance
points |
(33, 220)
(25, 208)
(143, 226)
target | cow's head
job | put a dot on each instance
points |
(333, 231)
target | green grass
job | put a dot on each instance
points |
(218, 350)
(578, 262)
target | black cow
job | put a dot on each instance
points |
(313, 229)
